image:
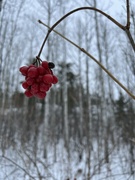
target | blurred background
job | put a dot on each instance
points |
(85, 127)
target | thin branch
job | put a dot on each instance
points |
(128, 15)
(60, 35)
(73, 11)
(8, 175)
(34, 163)
(46, 168)
(114, 175)
(18, 166)
(115, 79)
(130, 38)
(84, 51)
(128, 26)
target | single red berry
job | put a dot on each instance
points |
(39, 79)
(41, 70)
(30, 80)
(49, 85)
(25, 85)
(41, 95)
(45, 64)
(24, 70)
(28, 93)
(48, 71)
(55, 79)
(34, 88)
(31, 65)
(43, 87)
(48, 78)
(32, 72)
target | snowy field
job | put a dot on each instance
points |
(22, 164)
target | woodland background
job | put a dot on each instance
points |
(85, 127)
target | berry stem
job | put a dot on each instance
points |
(37, 61)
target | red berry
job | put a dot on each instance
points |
(25, 85)
(31, 65)
(49, 85)
(48, 78)
(41, 95)
(28, 93)
(41, 70)
(48, 71)
(34, 88)
(32, 72)
(30, 81)
(43, 87)
(24, 70)
(39, 79)
(55, 79)
(45, 64)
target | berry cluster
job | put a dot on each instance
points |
(38, 80)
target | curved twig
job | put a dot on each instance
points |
(73, 11)
(84, 51)
(125, 28)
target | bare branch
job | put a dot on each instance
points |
(73, 11)
(128, 15)
(130, 38)
(84, 51)
(18, 166)
(34, 163)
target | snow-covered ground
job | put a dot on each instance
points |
(25, 164)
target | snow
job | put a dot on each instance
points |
(63, 167)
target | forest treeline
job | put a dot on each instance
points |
(27, 115)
